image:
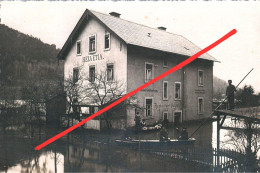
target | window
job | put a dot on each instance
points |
(165, 63)
(107, 41)
(165, 90)
(110, 72)
(91, 110)
(148, 106)
(92, 43)
(165, 115)
(148, 72)
(177, 91)
(200, 105)
(75, 75)
(92, 73)
(200, 78)
(78, 47)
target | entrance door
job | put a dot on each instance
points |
(177, 118)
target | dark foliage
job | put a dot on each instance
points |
(246, 97)
(23, 58)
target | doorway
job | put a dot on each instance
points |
(177, 118)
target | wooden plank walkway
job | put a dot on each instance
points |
(252, 114)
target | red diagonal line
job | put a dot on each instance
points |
(177, 67)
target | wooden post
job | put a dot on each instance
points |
(218, 140)
(55, 158)
(140, 155)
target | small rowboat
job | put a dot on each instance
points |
(154, 143)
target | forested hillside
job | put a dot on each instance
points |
(24, 58)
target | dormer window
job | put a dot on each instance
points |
(92, 44)
(107, 41)
(78, 45)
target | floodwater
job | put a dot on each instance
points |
(90, 151)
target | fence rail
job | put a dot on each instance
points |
(229, 160)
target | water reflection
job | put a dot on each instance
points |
(109, 158)
(243, 137)
(96, 152)
(45, 162)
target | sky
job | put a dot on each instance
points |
(202, 22)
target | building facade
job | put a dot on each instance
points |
(134, 54)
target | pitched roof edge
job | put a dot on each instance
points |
(215, 60)
(136, 23)
(172, 52)
(69, 39)
(89, 12)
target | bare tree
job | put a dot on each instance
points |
(101, 90)
(9, 106)
(73, 89)
(245, 138)
(95, 90)
(37, 92)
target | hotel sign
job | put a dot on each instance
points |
(89, 58)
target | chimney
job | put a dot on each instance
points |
(115, 14)
(161, 28)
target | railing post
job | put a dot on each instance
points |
(218, 141)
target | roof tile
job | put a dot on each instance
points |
(137, 34)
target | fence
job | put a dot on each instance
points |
(224, 161)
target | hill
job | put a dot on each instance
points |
(219, 88)
(23, 58)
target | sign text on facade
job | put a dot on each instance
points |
(92, 58)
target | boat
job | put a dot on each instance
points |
(154, 143)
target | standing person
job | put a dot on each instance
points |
(184, 134)
(163, 134)
(165, 122)
(230, 95)
(137, 122)
(143, 124)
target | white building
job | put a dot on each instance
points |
(134, 54)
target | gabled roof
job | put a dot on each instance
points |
(140, 35)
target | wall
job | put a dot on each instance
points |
(136, 59)
(188, 76)
(92, 124)
(129, 63)
(116, 54)
(192, 91)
